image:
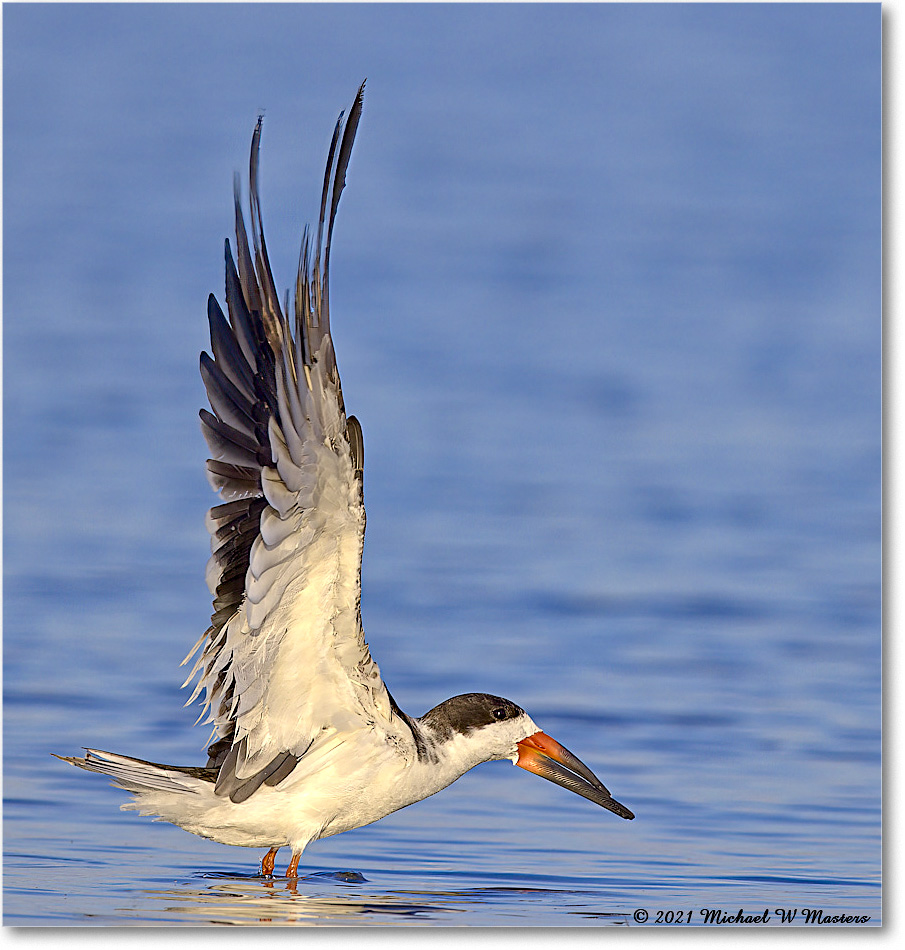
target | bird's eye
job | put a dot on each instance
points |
(499, 713)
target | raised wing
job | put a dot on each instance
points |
(284, 663)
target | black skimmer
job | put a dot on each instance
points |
(308, 741)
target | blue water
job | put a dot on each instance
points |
(606, 302)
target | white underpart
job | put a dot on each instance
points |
(344, 781)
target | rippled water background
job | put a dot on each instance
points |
(606, 296)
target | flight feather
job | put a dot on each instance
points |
(284, 664)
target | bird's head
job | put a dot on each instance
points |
(483, 727)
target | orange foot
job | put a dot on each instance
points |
(268, 861)
(293, 869)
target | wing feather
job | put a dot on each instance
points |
(228, 402)
(227, 353)
(284, 664)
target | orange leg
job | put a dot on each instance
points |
(293, 869)
(268, 862)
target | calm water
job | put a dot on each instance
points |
(606, 295)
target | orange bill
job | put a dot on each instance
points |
(545, 757)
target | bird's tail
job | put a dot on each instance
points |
(138, 776)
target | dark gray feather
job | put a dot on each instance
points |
(272, 773)
(239, 315)
(226, 350)
(247, 277)
(228, 402)
(226, 443)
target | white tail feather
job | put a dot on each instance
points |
(136, 775)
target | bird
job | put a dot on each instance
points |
(308, 742)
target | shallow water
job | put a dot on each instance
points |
(609, 316)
